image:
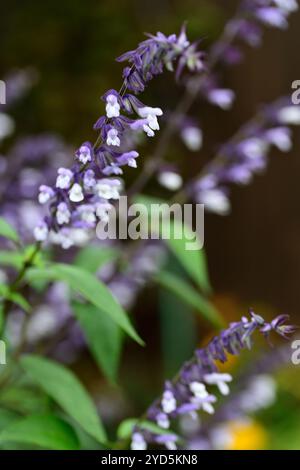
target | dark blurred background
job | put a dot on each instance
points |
(254, 254)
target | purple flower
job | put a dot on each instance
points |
(45, 194)
(189, 392)
(76, 193)
(64, 178)
(128, 158)
(63, 214)
(89, 180)
(85, 152)
(273, 17)
(221, 97)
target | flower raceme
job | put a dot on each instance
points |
(81, 195)
(195, 385)
(241, 158)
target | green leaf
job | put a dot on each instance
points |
(7, 231)
(125, 429)
(178, 342)
(92, 289)
(46, 431)
(189, 295)
(14, 297)
(93, 258)
(192, 260)
(7, 417)
(103, 337)
(24, 400)
(11, 258)
(1, 318)
(64, 387)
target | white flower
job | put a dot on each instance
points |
(170, 445)
(289, 115)
(147, 111)
(192, 137)
(89, 179)
(112, 106)
(281, 138)
(153, 122)
(170, 180)
(287, 5)
(84, 154)
(272, 16)
(216, 201)
(108, 188)
(40, 232)
(138, 442)
(221, 437)
(201, 397)
(64, 178)
(75, 193)
(261, 393)
(150, 114)
(208, 407)
(102, 210)
(132, 162)
(254, 147)
(163, 421)
(63, 214)
(198, 389)
(222, 98)
(45, 194)
(112, 138)
(220, 380)
(65, 240)
(168, 402)
(79, 236)
(87, 213)
(7, 126)
(149, 132)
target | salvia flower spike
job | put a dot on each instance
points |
(195, 386)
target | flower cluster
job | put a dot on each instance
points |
(32, 159)
(247, 25)
(255, 390)
(245, 155)
(193, 388)
(83, 194)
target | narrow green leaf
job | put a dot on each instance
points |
(103, 337)
(24, 400)
(125, 429)
(188, 294)
(64, 387)
(91, 288)
(1, 318)
(11, 258)
(7, 231)
(46, 431)
(93, 258)
(178, 342)
(192, 260)
(7, 417)
(14, 297)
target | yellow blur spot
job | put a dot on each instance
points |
(248, 435)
